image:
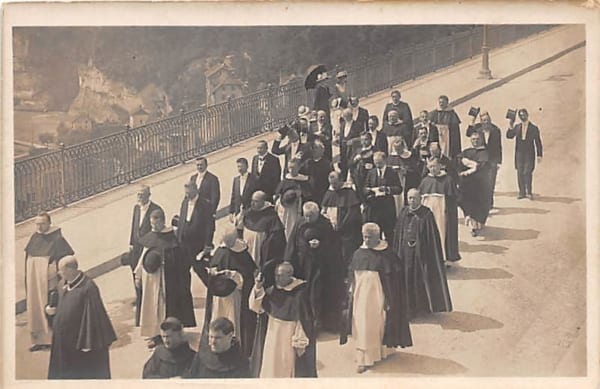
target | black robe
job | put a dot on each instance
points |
(81, 323)
(411, 166)
(291, 184)
(229, 364)
(451, 119)
(392, 277)
(318, 171)
(444, 184)
(287, 305)
(475, 189)
(360, 167)
(349, 220)
(242, 262)
(320, 268)
(322, 97)
(273, 247)
(166, 363)
(177, 264)
(425, 273)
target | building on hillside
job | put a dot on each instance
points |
(139, 118)
(83, 122)
(222, 83)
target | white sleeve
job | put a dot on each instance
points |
(237, 278)
(256, 299)
(299, 339)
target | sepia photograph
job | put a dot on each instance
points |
(342, 190)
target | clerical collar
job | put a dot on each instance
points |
(442, 174)
(166, 229)
(410, 210)
(382, 245)
(482, 147)
(266, 205)
(50, 230)
(292, 285)
(317, 160)
(75, 283)
(394, 123)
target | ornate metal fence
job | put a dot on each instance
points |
(73, 173)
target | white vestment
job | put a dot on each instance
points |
(153, 309)
(279, 356)
(41, 277)
(231, 306)
(289, 215)
(437, 203)
(368, 317)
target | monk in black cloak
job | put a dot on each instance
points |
(474, 185)
(232, 261)
(82, 329)
(417, 243)
(287, 348)
(377, 306)
(174, 356)
(163, 259)
(314, 251)
(264, 234)
(448, 125)
(341, 206)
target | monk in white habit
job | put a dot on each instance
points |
(42, 253)
(283, 351)
(378, 304)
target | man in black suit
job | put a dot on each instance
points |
(318, 168)
(349, 130)
(293, 149)
(359, 114)
(140, 226)
(321, 130)
(403, 109)
(210, 190)
(378, 138)
(194, 222)
(267, 168)
(243, 187)
(528, 145)
(381, 185)
(492, 137)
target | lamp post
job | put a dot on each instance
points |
(485, 71)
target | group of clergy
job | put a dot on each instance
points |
(355, 245)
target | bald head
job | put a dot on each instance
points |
(334, 180)
(68, 268)
(414, 198)
(143, 194)
(310, 210)
(371, 234)
(284, 274)
(258, 200)
(230, 237)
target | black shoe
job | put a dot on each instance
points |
(520, 196)
(530, 196)
(473, 233)
(39, 347)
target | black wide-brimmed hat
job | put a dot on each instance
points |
(511, 114)
(288, 198)
(220, 285)
(474, 111)
(152, 261)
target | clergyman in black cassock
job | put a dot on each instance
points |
(173, 357)
(417, 243)
(82, 332)
(448, 124)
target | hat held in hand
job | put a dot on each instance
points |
(152, 261)
(220, 285)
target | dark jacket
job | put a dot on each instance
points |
(229, 364)
(237, 199)
(269, 176)
(494, 143)
(137, 231)
(527, 149)
(209, 189)
(404, 113)
(286, 151)
(193, 235)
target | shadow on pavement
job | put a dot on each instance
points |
(555, 199)
(491, 233)
(465, 247)
(520, 211)
(460, 321)
(506, 194)
(473, 273)
(122, 317)
(403, 362)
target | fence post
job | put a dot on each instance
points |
(181, 137)
(268, 125)
(128, 156)
(229, 122)
(63, 193)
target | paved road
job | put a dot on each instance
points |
(519, 294)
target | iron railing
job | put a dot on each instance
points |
(61, 177)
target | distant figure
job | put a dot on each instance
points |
(448, 125)
(349, 130)
(266, 167)
(291, 193)
(528, 144)
(293, 149)
(281, 351)
(322, 94)
(448, 165)
(210, 189)
(394, 128)
(378, 303)
(194, 222)
(42, 253)
(321, 130)
(405, 162)
(359, 114)
(223, 358)
(82, 329)
(424, 122)
(318, 168)
(342, 90)
(244, 185)
(417, 243)
(140, 226)
(492, 139)
(403, 109)
(378, 138)
(362, 163)
(174, 356)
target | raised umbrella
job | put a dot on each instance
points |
(311, 75)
